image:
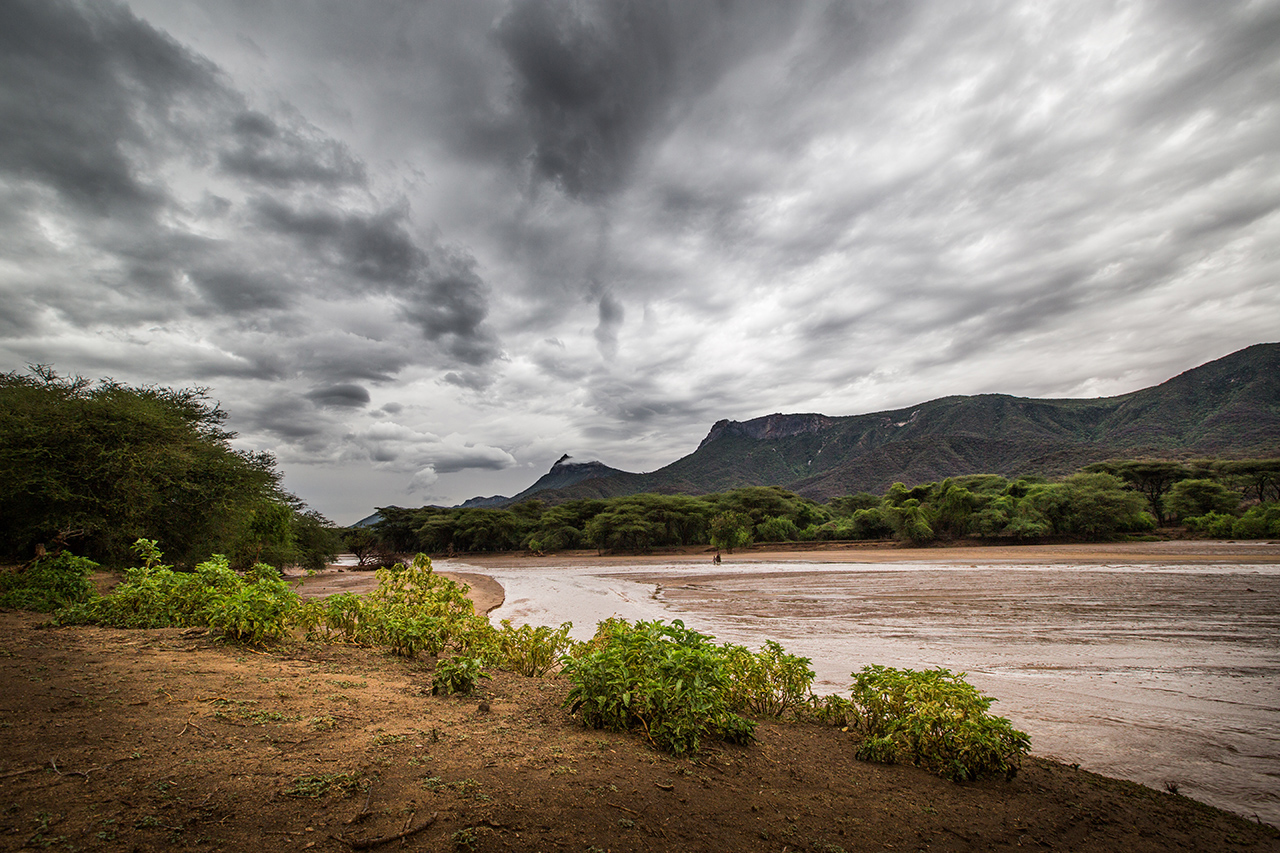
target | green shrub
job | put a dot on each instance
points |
(667, 680)
(1260, 522)
(251, 609)
(1215, 525)
(457, 674)
(934, 720)
(254, 611)
(528, 650)
(51, 582)
(768, 683)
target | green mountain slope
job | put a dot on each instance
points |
(1226, 408)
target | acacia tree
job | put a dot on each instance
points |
(731, 530)
(1152, 477)
(96, 466)
(1191, 498)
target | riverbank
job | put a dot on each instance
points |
(485, 593)
(1172, 551)
(147, 740)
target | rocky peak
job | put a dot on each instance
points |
(769, 427)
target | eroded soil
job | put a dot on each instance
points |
(149, 740)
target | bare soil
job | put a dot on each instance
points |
(154, 740)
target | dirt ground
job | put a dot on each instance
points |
(154, 740)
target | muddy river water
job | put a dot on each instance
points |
(1155, 673)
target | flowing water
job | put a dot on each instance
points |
(1155, 673)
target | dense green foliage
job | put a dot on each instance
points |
(1106, 501)
(667, 680)
(935, 720)
(52, 582)
(768, 683)
(97, 466)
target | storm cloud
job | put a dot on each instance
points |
(445, 244)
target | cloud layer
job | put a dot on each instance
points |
(450, 242)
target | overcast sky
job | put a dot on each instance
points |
(420, 249)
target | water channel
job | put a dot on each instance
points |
(1154, 673)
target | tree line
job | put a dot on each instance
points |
(1122, 497)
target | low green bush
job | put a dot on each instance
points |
(457, 674)
(770, 682)
(667, 680)
(51, 582)
(251, 609)
(1259, 522)
(529, 650)
(1215, 525)
(933, 719)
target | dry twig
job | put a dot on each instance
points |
(370, 843)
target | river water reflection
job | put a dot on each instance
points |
(1154, 673)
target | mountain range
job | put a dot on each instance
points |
(1228, 408)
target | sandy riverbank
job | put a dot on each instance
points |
(1180, 551)
(485, 593)
(488, 595)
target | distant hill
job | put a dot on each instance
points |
(1226, 408)
(564, 474)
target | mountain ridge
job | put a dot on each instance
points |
(1229, 407)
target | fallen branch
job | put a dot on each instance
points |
(370, 843)
(624, 808)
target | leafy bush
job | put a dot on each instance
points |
(1215, 525)
(254, 611)
(665, 679)
(768, 683)
(51, 582)
(935, 720)
(531, 651)
(457, 674)
(1260, 522)
(412, 611)
(251, 609)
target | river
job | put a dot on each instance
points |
(1155, 673)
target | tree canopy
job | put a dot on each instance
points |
(96, 466)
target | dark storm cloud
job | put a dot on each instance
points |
(1235, 64)
(376, 248)
(269, 154)
(611, 315)
(80, 85)
(340, 396)
(452, 308)
(239, 291)
(151, 192)
(596, 80)
(443, 296)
